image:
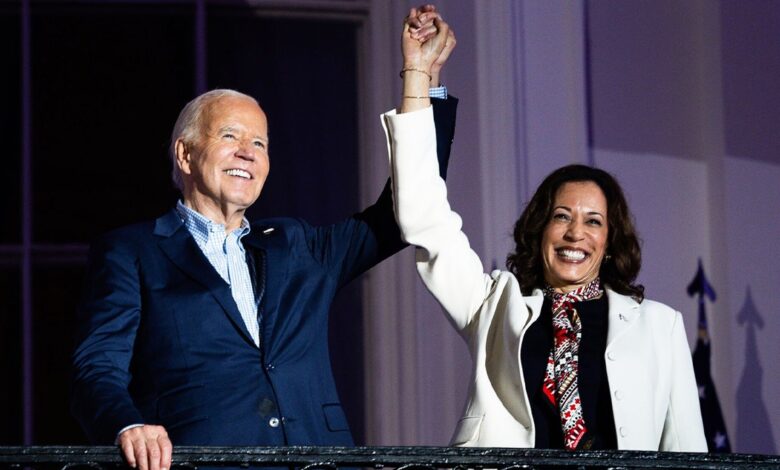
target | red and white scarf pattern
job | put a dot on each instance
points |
(560, 381)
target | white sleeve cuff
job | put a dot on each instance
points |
(116, 441)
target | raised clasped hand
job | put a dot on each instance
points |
(424, 41)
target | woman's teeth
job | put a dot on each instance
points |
(574, 255)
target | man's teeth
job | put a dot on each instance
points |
(575, 255)
(237, 172)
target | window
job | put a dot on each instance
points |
(106, 81)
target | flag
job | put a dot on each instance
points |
(714, 427)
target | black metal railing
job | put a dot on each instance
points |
(402, 458)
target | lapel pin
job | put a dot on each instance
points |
(267, 231)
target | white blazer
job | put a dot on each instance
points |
(654, 395)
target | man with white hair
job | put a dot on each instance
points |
(200, 328)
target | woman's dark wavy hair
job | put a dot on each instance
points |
(619, 271)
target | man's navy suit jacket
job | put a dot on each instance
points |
(161, 341)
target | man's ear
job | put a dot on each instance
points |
(183, 156)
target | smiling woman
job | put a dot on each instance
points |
(575, 238)
(567, 353)
(570, 197)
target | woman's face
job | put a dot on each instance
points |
(575, 238)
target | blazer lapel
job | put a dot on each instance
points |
(263, 241)
(534, 302)
(179, 246)
(512, 374)
(519, 323)
(623, 313)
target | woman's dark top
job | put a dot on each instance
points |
(592, 379)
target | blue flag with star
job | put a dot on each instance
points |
(714, 426)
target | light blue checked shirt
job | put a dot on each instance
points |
(226, 253)
(438, 92)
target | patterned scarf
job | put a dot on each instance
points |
(560, 381)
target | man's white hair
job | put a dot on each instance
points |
(189, 124)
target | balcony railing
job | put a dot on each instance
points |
(402, 458)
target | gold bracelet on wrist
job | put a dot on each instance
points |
(411, 69)
(416, 97)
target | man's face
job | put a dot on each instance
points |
(226, 166)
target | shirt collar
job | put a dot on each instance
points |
(202, 225)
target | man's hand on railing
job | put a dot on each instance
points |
(146, 447)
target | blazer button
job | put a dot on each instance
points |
(611, 356)
(623, 431)
(273, 422)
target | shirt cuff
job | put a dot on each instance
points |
(116, 441)
(438, 92)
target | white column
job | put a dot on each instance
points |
(500, 128)
(554, 99)
(712, 150)
(389, 301)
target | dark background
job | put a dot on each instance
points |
(107, 82)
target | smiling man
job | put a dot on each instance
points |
(222, 170)
(200, 328)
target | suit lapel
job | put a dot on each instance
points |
(519, 323)
(179, 246)
(265, 242)
(534, 302)
(515, 335)
(623, 314)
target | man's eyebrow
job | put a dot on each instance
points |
(234, 129)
